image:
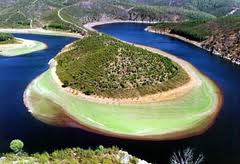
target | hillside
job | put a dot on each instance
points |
(123, 70)
(72, 14)
(220, 36)
(215, 7)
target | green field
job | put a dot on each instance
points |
(181, 117)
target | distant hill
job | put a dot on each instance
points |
(215, 7)
(69, 14)
(220, 36)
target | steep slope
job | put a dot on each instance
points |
(216, 7)
(220, 36)
(52, 13)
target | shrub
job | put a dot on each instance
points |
(16, 145)
(88, 91)
(133, 160)
(65, 84)
(5, 36)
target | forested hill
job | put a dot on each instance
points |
(221, 36)
(66, 14)
(215, 7)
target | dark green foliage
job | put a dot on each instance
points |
(202, 29)
(68, 155)
(104, 66)
(65, 84)
(5, 37)
(24, 23)
(59, 26)
(190, 30)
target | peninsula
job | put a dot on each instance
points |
(11, 46)
(109, 87)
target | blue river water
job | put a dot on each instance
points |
(220, 144)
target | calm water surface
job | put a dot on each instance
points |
(220, 144)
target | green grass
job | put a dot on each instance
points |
(104, 66)
(191, 111)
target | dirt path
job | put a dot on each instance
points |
(59, 15)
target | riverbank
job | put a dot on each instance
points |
(89, 26)
(150, 98)
(21, 47)
(195, 43)
(41, 31)
(184, 39)
(188, 115)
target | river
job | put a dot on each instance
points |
(220, 144)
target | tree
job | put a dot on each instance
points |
(5, 36)
(16, 145)
(186, 157)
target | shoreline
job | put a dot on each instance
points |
(24, 46)
(184, 39)
(150, 98)
(192, 42)
(40, 31)
(69, 120)
(207, 118)
(89, 26)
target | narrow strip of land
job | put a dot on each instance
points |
(21, 47)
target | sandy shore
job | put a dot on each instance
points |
(89, 26)
(21, 47)
(40, 31)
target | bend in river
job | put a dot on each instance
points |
(220, 144)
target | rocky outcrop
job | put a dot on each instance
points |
(225, 44)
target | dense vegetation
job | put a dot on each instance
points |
(220, 36)
(215, 7)
(104, 66)
(67, 156)
(191, 30)
(202, 29)
(5, 37)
